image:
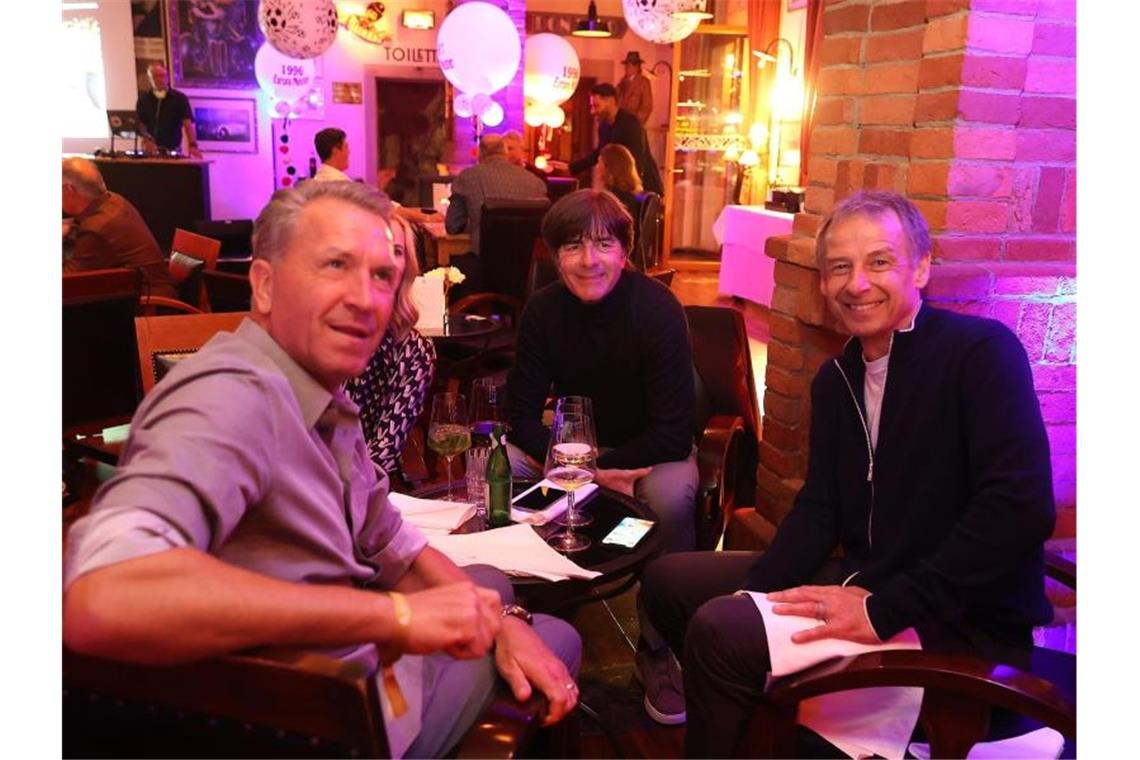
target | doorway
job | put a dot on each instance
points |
(413, 133)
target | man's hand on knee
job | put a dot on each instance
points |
(461, 619)
(839, 608)
(524, 661)
(621, 481)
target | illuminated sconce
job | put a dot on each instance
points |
(692, 9)
(766, 57)
(368, 24)
(418, 19)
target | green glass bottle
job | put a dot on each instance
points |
(498, 478)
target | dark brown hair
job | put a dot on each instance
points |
(586, 213)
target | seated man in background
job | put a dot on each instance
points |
(928, 467)
(106, 231)
(517, 153)
(493, 177)
(610, 333)
(245, 511)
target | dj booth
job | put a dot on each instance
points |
(168, 192)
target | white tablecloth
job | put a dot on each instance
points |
(744, 269)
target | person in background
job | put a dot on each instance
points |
(165, 115)
(928, 469)
(634, 91)
(608, 332)
(106, 232)
(517, 153)
(245, 511)
(493, 177)
(619, 176)
(616, 125)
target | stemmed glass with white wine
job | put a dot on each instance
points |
(571, 464)
(584, 406)
(448, 433)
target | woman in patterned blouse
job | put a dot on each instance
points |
(392, 389)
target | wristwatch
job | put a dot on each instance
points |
(517, 610)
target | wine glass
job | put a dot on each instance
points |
(569, 465)
(584, 406)
(448, 433)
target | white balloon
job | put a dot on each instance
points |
(478, 48)
(552, 69)
(298, 28)
(462, 105)
(281, 107)
(653, 20)
(556, 118)
(480, 102)
(492, 115)
(534, 116)
(283, 77)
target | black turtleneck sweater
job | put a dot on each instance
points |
(629, 352)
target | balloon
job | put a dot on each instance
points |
(462, 105)
(653, 20)
(478, 48)
(298, 28)
(492, 115)
(480, 102)
(556, 118)
(281, 107)
(534, 116)
(552, 69)
(282, 77)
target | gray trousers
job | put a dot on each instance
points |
(457, 691)
(670, 490)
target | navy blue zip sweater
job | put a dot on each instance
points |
(945, 523)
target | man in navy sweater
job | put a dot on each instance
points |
(928, 467)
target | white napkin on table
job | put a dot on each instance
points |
(429, 297)
(861, 722)
(515, 549)
(1042, 743)
(555, 510)
(432, 515)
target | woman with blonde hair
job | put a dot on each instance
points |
(619, 176)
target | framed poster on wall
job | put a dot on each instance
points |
(213, 44)
(226, 125)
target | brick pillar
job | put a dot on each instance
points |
(967, 107)
(510, 97)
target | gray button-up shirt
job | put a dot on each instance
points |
(226, 455)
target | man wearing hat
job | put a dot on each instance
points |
(634, 92)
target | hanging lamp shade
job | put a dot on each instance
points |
(591, 26)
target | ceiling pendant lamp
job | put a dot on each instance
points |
(591, 26)
(692, 9)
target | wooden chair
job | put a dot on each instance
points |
(162, 341)
(728, 419)
(100, 370)
(305, 705)
(646, 254)
(508, 230)
(961, 693)
(187, 248)
(157, 306)
(235, 235)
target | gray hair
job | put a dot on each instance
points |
(512, 134)
(84, 176)
(490, 146)
(874, 204)
(275, 226)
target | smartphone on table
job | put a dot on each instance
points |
(537, 497)
(628, 533)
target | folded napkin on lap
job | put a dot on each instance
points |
(555, 510)
(432, 515)
(1042, 743)
(515, 549)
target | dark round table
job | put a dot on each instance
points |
(461, 327)
(619, 568)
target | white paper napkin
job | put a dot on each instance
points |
(555, 510)
(515, 549)
(428, 295)
(1039, 744)
(432, 515)
(861, 722)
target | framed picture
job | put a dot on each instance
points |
(226, 125)
(797, 5)
(213, 44)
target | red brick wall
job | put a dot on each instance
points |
(967, 107)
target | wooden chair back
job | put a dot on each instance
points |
(164, 340)
(184, 249)
(646, 254)
(100, 359)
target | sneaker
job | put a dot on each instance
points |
(664, 692)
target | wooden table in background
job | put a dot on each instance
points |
(446, 245)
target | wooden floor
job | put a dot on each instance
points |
(609, 629)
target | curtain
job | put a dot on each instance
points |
(813, 39)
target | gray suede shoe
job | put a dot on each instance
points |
(660, 674)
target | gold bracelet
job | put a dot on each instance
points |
(403, 610)
(403, 614)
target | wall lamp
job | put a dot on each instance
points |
(766, 56)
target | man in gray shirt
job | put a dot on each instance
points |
(246, 512)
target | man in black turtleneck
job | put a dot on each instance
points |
(612, 334)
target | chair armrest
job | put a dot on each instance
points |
(1060, 569)
(504, 726)
(714, 447)
(716, 497)
(150, 305)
